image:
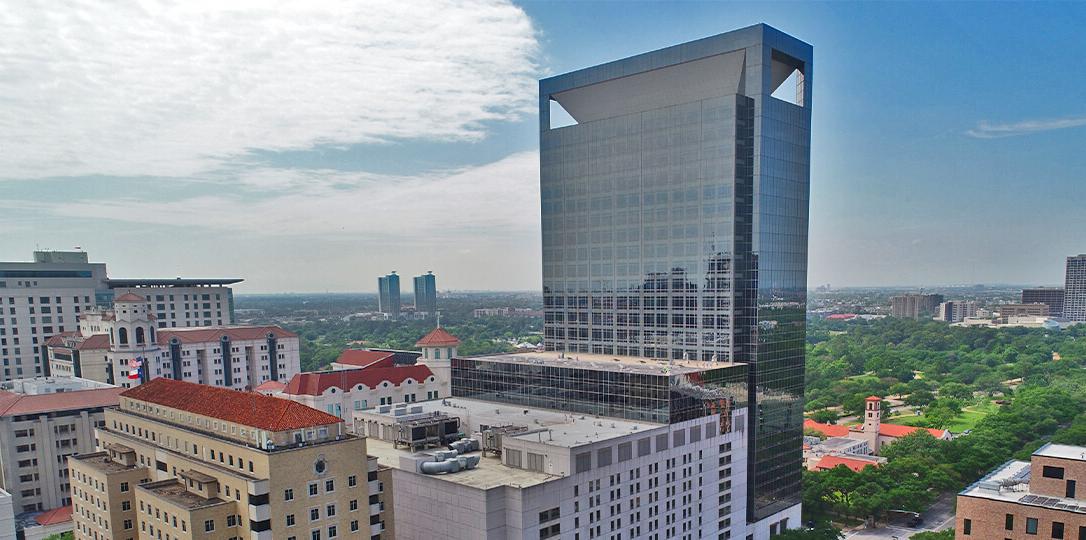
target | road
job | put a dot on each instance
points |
(938, 517)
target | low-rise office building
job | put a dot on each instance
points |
(184, 460)
(1009, 311)
(1027, 499)
(124, 346)
(538, 445)
(43, 422)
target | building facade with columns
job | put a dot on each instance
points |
(124, 346)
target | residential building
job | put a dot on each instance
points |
(185, 460)
(1050, 296)
(915, 306)
(674, 224)
(546, 445)
(1007, 311)
(1074, 299)
(45, 297)
(956, 311)
(182, 303)
(426, 293)
(41, 298)
(1031, 499)
(388, 294)
(364, 379)
(43, 422)
(124, 346)
(876, 433)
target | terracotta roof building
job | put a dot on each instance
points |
(43, 422)
(855, 463)
(124, 346)
(225, 463)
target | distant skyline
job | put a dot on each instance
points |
(312, 148)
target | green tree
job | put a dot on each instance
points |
(825, 416)
(821, 531)
(928, 535)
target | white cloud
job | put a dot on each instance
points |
(986, 130)
(133, 88)
(499, 200)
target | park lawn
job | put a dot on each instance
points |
(966, 420)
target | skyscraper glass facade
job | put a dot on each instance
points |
(426, 293)
(674, 220)
(388, 294)
(1074, 300)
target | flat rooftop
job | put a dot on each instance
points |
(567, 430)
(176, 282)
(605, 362)
(1010, 483)
(176, 493)
(101, 461)
(1062, 451)
(490, 472)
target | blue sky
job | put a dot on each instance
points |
(314, 148)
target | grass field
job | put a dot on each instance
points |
(971, 414)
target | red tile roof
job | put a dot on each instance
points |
(361, 358)
(246, 408)
(315, 383)
(897, 431)
(55, 516)
(873, 398)
(438, 337)
(13, 404)
(831, 462)
(215, 333)
(270, 386)
(829, 430)
(129, 297)
(81, 343)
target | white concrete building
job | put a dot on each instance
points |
(625, 447)
(7, 517)
(364, 379)
(42, 422)
(551, 474)
(112, 345)
(955, 311)
(183, 303)
(45, 297)
(42, 298)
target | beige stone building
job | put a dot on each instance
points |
(1028, 500)
(179, 460)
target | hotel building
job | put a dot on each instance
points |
(182, 460)
(124, 346)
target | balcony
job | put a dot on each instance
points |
(375, 487)
(377, 528)
(377, 508)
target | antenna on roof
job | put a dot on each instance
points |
(439, 319)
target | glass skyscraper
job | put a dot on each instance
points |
(426, 293)
(388, 294)
(674, 220)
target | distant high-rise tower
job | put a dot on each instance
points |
(915, 306)
(426, 293)
(1049, 296)
(674, 221)
(388, 292)
(1074, 296)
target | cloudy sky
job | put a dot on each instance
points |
(313, 146)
